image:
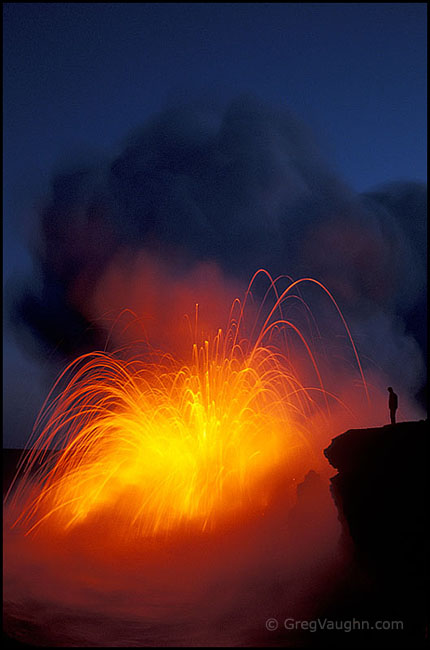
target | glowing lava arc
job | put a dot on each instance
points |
(158, 445)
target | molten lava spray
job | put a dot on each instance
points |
(158, 496)
(158, 446)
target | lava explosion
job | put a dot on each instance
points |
(158, 445)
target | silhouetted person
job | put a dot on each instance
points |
(392, 404)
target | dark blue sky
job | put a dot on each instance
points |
(79, 76)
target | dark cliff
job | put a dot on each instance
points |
(380, 492)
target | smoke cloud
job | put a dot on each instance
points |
(205, 193)
(194, 203)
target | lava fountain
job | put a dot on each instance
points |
(158, 446)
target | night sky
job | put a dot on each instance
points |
(79, 77)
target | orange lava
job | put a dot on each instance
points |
(155, 445)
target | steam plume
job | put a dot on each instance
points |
(236, 189)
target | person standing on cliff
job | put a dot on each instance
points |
(393, 403)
